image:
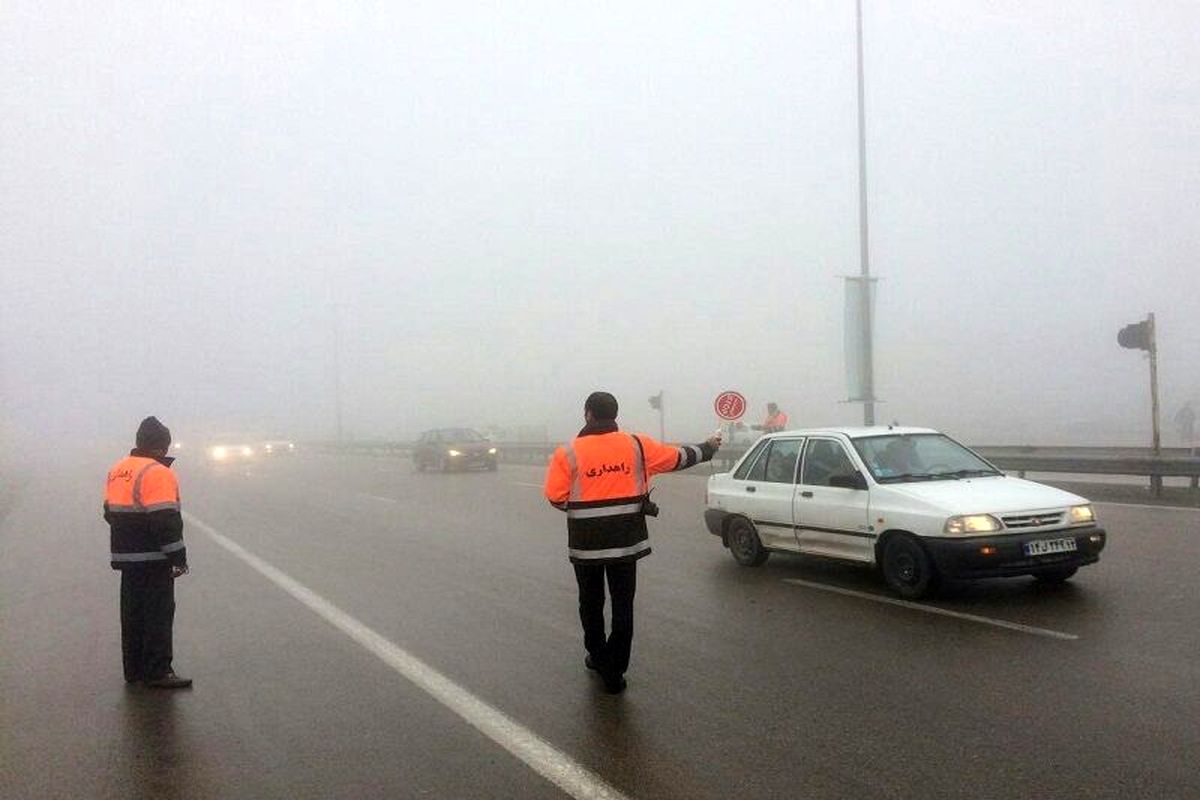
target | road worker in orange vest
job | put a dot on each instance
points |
(776, 420)
(602, 480)
(141, 506)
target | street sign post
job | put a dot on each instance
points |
(1143, 336)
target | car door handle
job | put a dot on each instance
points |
(806, 494)
(751, 488)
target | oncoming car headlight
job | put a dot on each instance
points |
(247, 451)
(219, 453)
(1082, 515)
(972, 523)
(454, 453)
(491, 451)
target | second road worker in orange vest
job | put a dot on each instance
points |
(776, 420)
(602, 480)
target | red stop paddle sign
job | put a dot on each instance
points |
(730, 406)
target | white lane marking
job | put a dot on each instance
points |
(378, 497)
(998, 623)
(522, 483)
(1147, 506)
(542, 757)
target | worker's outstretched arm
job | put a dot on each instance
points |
(670, 458)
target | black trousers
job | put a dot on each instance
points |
(610, 653)
(147, 619)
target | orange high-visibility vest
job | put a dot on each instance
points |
(139, 485)
(776, 422)
(601, 481)
(141, 506)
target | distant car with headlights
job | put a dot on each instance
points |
(912, 502)
(278, 447)
(447, 449)
(227, 450)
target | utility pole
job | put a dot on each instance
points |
(662, 417)
(1156, 482)
(337, 368)
(868, 354)
(656, 402)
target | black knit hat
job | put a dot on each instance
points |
(153, 435)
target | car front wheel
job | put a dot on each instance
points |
(744, 544)
(907, 567)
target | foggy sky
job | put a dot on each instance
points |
(501, 207)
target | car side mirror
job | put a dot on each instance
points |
(854, 480)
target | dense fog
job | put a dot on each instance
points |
(479, 213)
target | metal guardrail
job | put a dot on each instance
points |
(1133, 461)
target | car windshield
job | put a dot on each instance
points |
(901, 458)
(460, 435)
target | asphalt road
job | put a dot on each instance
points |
(359, 630)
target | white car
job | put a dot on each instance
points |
(911, 501)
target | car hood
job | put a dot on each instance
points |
(992, 494)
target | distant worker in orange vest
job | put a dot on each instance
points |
(141, 506)
(776, 420)
(602, 480)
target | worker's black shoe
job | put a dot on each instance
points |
(590, 662)
(614, 684)
(169, 681)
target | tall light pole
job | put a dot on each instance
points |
(867, 355)
(337, 368)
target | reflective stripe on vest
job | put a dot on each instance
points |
(592, 512)
(612, 552)
(639, 464)
(152, 556)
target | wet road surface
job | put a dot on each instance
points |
(356, 629)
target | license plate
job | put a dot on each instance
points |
(1041, 547)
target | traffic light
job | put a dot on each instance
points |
(1137, 336)
(656, 401)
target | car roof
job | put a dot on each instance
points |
(855, 432)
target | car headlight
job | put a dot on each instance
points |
(219, 453)
(453, 453)
(246, 451)
(291, 446)
(269, 448)
(491, 451)
(1081, 515)
(972, 523)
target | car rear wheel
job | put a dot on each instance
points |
(907, 568)
(1056, 576)
(744, 544)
